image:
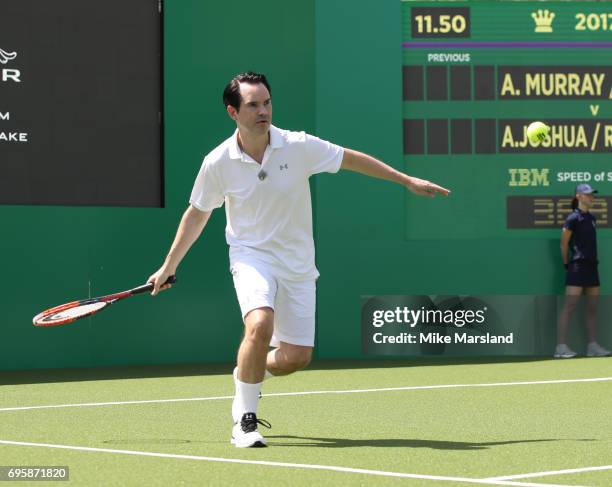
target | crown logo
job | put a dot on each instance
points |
(543, 20)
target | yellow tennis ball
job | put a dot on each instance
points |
(537, 132)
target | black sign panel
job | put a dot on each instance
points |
(80, 103)
(550, 211)
(554, 82)
(440, 22)
(566, 135)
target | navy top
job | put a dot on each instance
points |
(583, 243)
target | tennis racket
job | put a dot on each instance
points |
(69, 312)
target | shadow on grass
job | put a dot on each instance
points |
(392, 443)
(40, 376)
(317, 442)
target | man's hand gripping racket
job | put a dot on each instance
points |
(69, 312)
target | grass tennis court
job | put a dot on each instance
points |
(457, 434)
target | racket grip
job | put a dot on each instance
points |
(149, 286)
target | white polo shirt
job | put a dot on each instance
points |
(268, 218)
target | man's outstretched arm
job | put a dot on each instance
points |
(190, 228)
(368, 165)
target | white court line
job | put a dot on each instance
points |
(116, 403)
(552, 472)
(306, 393)
(282, 464)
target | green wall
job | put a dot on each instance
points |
(335, 69)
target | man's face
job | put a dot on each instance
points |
(255, 114)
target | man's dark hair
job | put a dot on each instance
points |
(231, 93)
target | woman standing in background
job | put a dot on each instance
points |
(579, 234)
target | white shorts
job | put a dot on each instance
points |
(293, 302)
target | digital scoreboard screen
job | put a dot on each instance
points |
(81, 103)
(475, 75)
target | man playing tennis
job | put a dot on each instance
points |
(261, 174)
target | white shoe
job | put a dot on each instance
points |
(245, 434)
(563, 351)
(594, 349)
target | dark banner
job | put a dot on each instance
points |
(80, 103)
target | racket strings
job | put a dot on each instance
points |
(70, 314)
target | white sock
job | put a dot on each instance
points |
(246, 398)
(267, 374)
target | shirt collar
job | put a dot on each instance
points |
(276, 138)
(276, 142)
(234, 149)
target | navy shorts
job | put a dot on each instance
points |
(582, 273)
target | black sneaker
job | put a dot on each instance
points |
(245, 434)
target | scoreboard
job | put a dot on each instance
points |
(475, 75)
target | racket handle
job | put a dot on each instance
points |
(149, 286)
